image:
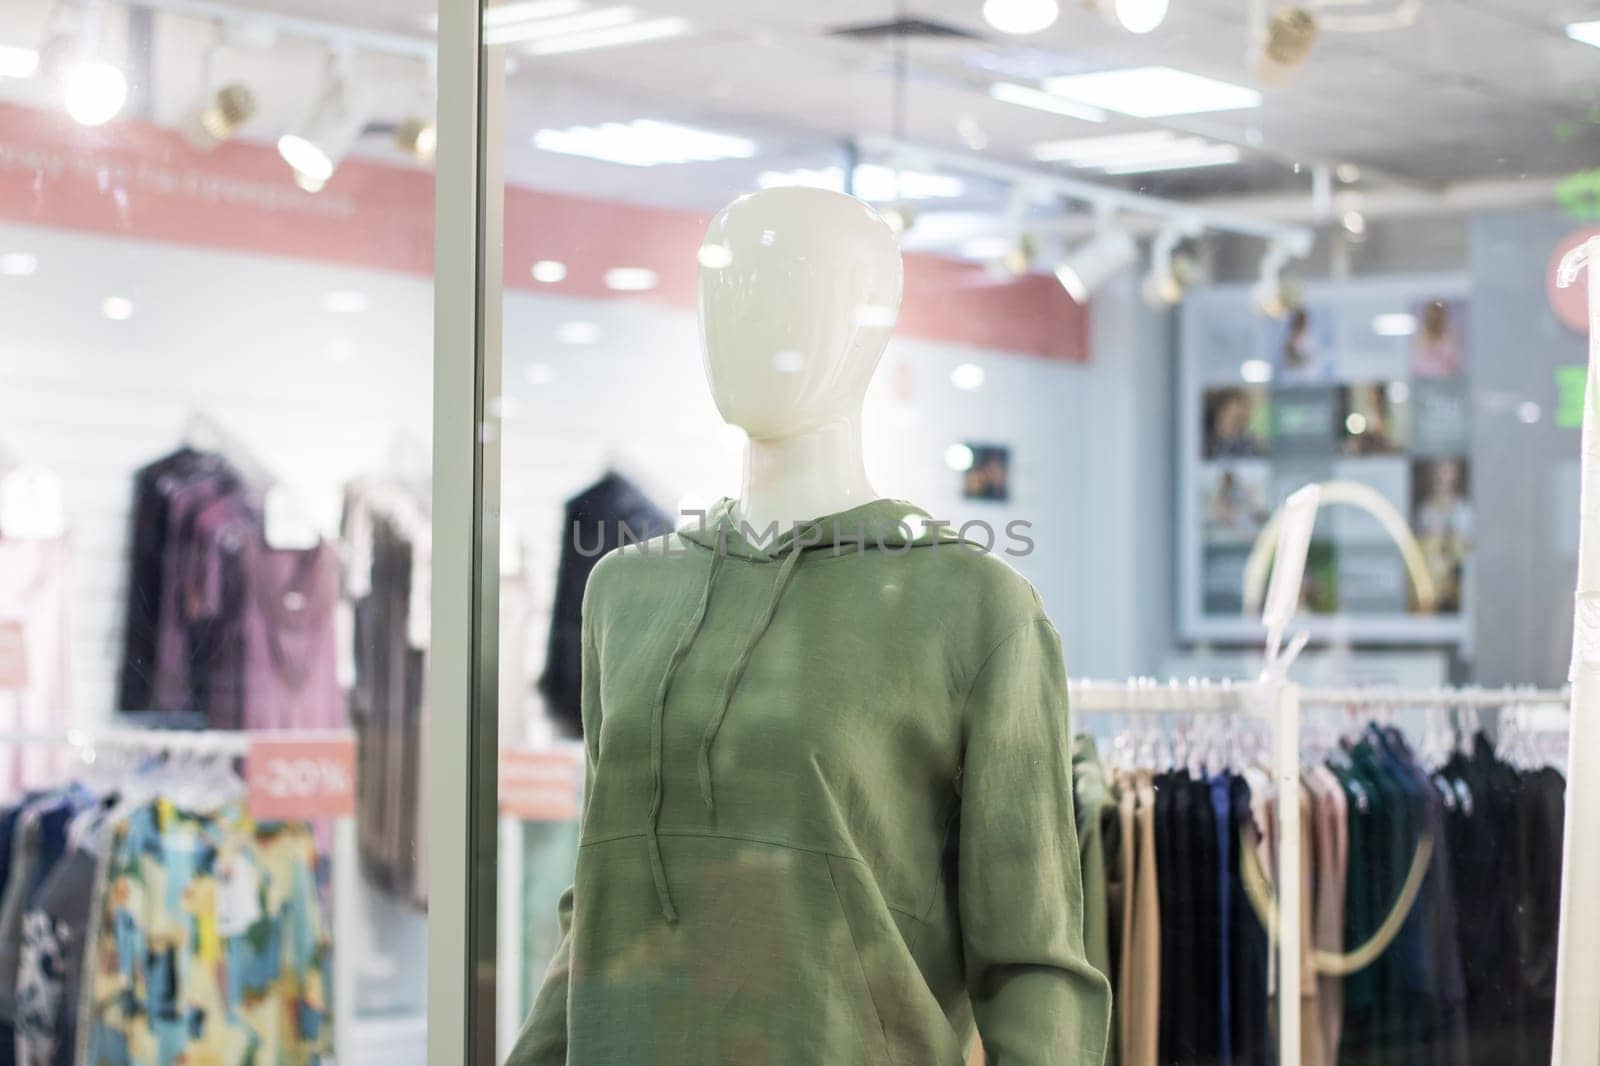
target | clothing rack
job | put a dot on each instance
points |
(1279, 704)
(89, 742)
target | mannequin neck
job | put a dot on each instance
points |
(804, 476)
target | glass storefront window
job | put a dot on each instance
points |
(216, 282)
(696, 651)
(1162, 266)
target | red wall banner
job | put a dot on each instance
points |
(136, 180)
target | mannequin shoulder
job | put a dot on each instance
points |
(625, 568)
(983, 583)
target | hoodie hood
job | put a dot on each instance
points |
(880, 524)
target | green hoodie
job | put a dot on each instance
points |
(829, 818)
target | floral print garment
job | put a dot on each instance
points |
(209, 947)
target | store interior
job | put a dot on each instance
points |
(1165, 264)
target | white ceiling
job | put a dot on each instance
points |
(1477, 89)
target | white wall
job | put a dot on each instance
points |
(320, 397)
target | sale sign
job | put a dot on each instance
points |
(292, 778)
(542, 786)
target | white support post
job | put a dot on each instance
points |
(346, 876)
(1577, 1023)
(1286, 769)
(509, 963)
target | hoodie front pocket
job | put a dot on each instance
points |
(914, 1027)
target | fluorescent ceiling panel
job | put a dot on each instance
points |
(17, 62)
(1154, 92)
(542, 29)
(611, 37)
(1023, 96)
(873, 182)
(1585, 32)
(1138, 153)
(645, 143)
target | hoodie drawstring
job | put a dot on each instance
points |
(658, 869)
(785, 572)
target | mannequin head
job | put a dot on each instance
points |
(799, 290)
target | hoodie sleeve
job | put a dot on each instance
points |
(1036, 999)
(543, 1040)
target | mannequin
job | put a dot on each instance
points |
(829, 814)
(793, 376)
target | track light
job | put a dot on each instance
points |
(1284, 45)
(336, 123)
(418, 138)
(1271, 296)
(220, 117)
(1165, 283)
(1091, 265)
(93, 89)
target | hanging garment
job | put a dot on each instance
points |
(54, 944)
(35, 664)
(209, 945)
(386, 542)
(830, 819)
(287, 631)
(597, 521)
(154, 487)
(1097, 821)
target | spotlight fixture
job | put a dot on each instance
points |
(1284, 45)
(220, 117)
(316, 148)
(1164, 285)
(1091, 265)
(418, 138)
(1271, 296)
(1019, 18)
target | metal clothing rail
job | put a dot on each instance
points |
(233, 744)
(1469, 697)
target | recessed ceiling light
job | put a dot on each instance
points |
(1528, 413)
(549, 271)
(1154, 92)
(117, 308)
(1349, 173)
(578, 333)
(1138, 153)
(344, 301)
(1585, 32)
(968, 377)
(1021, 17)
(613, 37)
(1008, 92)
(1256, 371)
(1396, 324)
(645, 143)
(1140, 16)
(17, 62)
(1356, 424)
(959, 457)
(18, 264)
(630, 279)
